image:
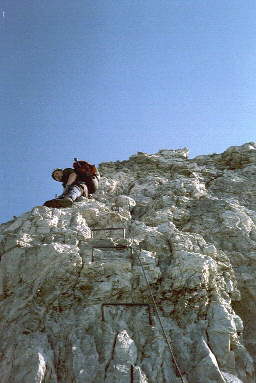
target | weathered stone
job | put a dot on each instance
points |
(76, 306)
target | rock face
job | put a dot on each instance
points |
(76, 303)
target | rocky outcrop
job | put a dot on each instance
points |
(77, 304)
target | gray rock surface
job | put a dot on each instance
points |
(75, 306)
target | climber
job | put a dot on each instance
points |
(75, 185)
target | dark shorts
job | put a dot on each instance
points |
(92, 184)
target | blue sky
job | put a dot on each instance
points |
(103, 79)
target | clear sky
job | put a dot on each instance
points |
(103, 79)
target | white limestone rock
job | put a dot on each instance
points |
(76, 307)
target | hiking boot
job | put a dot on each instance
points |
(65, 202)
(59, 203)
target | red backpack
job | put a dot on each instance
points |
(84, 170)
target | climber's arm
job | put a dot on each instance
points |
(71, 179)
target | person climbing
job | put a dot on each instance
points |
(82, 180)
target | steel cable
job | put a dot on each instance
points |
(160, 321)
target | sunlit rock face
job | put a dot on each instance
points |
(76, 307)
